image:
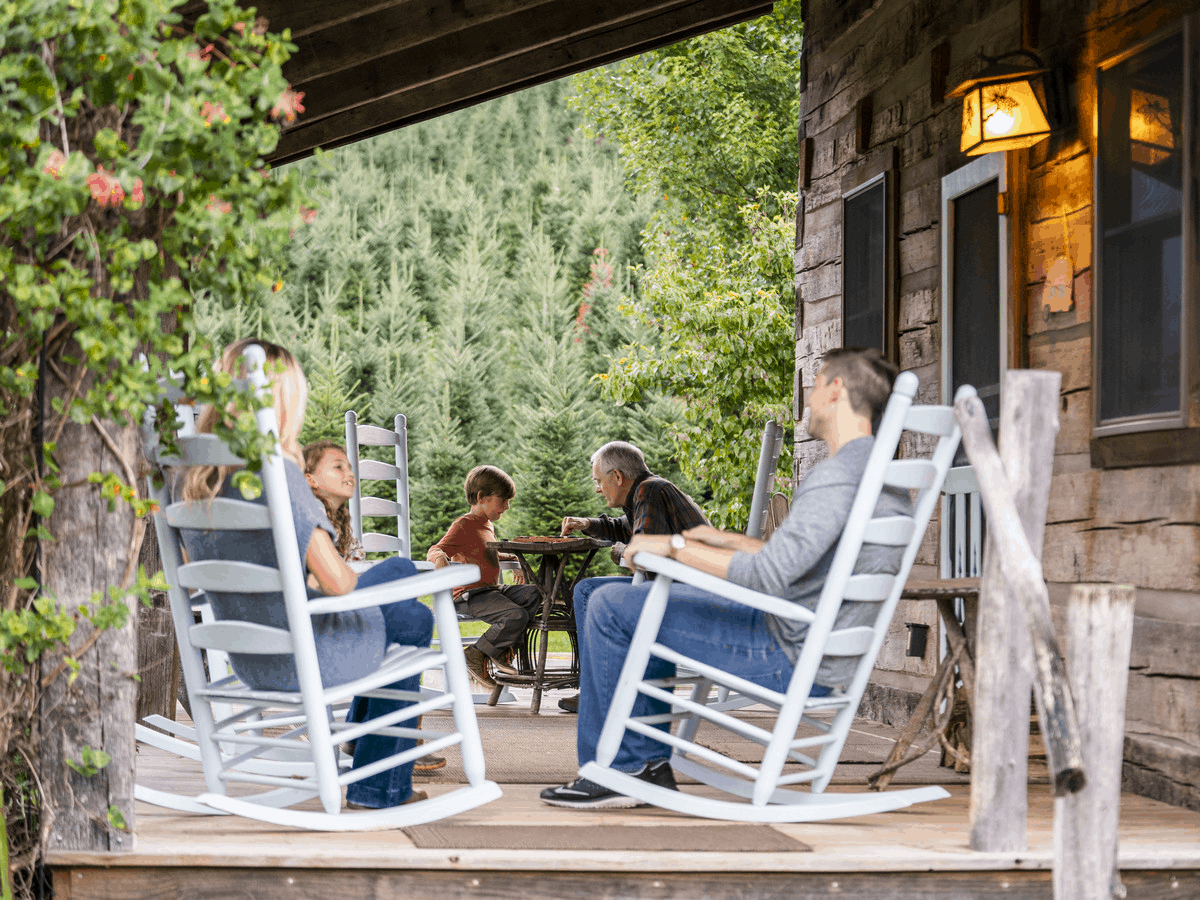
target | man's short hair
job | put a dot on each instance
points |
(623, 457)
(489, 481)
(867, 374)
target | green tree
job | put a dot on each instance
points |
(709, 125)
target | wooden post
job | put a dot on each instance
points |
(93, 549)
(1099, 640)
(1015, 488)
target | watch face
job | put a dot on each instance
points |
(678, 542)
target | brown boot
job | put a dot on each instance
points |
(427, 763)
(477, 666)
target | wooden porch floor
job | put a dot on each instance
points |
(919, 852)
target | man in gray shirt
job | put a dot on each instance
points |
(848, 396)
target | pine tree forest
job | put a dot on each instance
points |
(467, 272)
(531, 277)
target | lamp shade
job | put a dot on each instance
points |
(1001, 111)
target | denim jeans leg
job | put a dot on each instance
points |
(582, 596)
(406, 622)
(702, 625)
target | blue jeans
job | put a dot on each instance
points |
(702, 625)
(582, 595)
(405, 622)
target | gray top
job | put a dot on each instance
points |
(349, 644)
(797, 558)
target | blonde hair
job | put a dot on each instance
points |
(290, 390)
(339, 515)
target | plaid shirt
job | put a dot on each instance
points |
(653, 506)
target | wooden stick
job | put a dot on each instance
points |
(1099, 640)
(1023, 573)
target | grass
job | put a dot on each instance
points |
(559, 642)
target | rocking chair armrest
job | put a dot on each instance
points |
(677, 571)
(404, 589)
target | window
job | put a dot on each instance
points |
(975, 281)
(1145, 218)
(868, 256)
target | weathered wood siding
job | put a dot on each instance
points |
(1135, 525)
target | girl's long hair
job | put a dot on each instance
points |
(339, 515)
(290, 390)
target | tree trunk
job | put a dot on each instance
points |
(92, 550)
(1004, 661)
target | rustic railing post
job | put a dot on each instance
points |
(1099, 640)
(1015, 489)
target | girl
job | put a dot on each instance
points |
(331, 477)
(329, 474)
(349, 645)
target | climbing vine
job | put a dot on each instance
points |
(132, 184)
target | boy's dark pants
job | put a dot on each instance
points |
(507, 607)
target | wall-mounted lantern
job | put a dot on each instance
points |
(1001, 110)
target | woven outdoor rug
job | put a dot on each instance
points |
(682, 838)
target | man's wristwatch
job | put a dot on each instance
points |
(678, 542)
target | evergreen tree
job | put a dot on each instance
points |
(554, 439)
(438, 467)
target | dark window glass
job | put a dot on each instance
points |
(975, 292)
(865, 266)
(1139, 196)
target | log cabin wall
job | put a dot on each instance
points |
(1124, 509)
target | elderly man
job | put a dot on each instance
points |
(649, 504)
(850, 393)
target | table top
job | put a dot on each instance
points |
(546, 544)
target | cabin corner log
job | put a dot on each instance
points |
(1099, 643)
(92, 550)
(1022, 569)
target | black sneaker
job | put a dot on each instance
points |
(569, 704)
(584, 794)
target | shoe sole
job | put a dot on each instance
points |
(617, 801)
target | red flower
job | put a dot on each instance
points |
(308, 216)
(105, 188)
(138, 196)
(212, 111)
(218, 206)
(288, 106)
(54, 163)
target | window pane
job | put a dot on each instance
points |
(1140, 203)
(864, 264)
(975, 293)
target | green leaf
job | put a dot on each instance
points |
(117, 819)
(43, 504)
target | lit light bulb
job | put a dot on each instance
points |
(1000, 121)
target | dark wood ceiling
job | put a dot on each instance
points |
(368, 66)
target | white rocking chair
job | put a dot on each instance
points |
(241, 734)
(763, 789)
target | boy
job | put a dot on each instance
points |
(507, 607)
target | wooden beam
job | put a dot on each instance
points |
(120, 883)
(425, 89)
(423, 56)
(473, 31)
(1099, 640)
(1015, 501)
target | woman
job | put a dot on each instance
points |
(349, 645)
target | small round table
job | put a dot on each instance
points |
(545, 561)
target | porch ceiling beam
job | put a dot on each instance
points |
(390, 64)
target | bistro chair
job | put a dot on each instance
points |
(240, 732)
(762, 789)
